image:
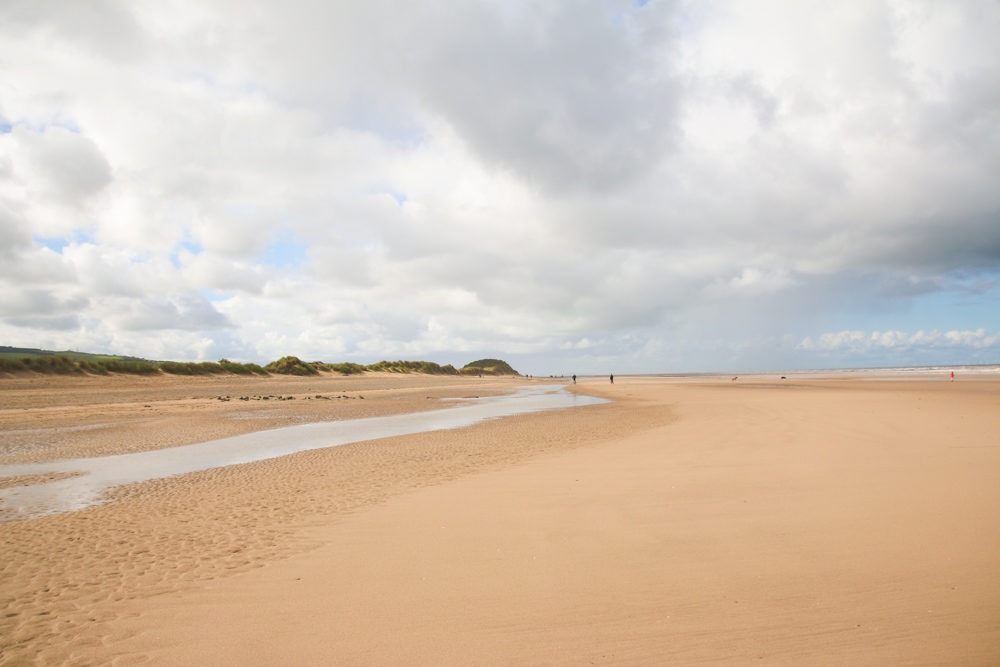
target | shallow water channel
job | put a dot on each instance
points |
(95, 476)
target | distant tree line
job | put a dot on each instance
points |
(82, 363)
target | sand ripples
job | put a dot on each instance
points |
(65, 575)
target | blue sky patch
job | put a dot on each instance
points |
(957, 308)
(960, 306)
(214, 295)
(192, 247)
(285, 252)
(56, 243)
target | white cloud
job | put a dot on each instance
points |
(671, 183)
(860, 341)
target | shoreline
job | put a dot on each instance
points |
(820, 520)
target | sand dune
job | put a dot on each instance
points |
(816, 522)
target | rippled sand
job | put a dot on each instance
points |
(807, 522)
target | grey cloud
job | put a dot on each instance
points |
(745, 87)
(181, 312)
(567, 99)
(23, 301)
(968, 240)
(14, 234)
(565, 96)
(49, 323)
(98, 26)
(68, 166)
(967, 116)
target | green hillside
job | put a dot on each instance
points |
(7, 352)
(488, 367)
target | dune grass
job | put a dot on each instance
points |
(428, 367)
(21, 360)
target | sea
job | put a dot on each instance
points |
(966, 371)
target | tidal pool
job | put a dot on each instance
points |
(95, 476)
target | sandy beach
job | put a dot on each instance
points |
(800, 521)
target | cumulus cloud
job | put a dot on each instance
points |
(14, 234)
(38, 302)
(860, 341)
(649, 184)
(185, 312)
(566, 98)
(63, 165)
(61, 323)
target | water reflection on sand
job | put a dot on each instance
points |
(95, 476)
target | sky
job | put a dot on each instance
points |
(571, 186)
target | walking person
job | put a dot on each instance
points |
(612, 378)
(574, 379)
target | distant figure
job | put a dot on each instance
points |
(733, 379)
(574, 379)
(612, 378)
(953, 376)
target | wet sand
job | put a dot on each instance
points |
(44, 418)
(809, 521)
